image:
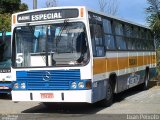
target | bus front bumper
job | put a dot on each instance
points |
(53, 96)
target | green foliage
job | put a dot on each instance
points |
(23, 7)
(5, 21)
(154, 19)
(7, 8)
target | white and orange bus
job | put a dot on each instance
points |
(73, 54)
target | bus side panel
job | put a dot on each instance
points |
(126, 80)
(153, 70)
(122, 71)
(99, 65)
(99, 79)
(99, 90)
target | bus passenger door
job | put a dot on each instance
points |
(99, 60)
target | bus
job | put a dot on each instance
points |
(74, 54)
(5, 63)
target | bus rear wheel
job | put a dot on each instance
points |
(145, 86)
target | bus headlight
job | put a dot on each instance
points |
(23, 85)
(73, 85)
(81, 85)
(16, 86)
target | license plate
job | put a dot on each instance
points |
(47, 95)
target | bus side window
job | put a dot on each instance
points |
(92, 39)
(97, 40)
(120, 40)
(108, 34)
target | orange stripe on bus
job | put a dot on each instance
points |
(99, 66)
(102, 65)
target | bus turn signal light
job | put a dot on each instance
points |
(14, 19)
(88, 85)
(81, 12)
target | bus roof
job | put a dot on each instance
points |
(90, 10)
(119, 19)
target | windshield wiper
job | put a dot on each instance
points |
(58, 38)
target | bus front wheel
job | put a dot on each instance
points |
(109, 96)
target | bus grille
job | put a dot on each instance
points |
(48, 79)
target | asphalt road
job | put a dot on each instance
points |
(125, 104)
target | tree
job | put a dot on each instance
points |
(11, 6)
(23, 7)
(102, 5)
(7, 8)
(108, 6)
(51, 3)
(5, 21)
(154, 22)
(154, 19)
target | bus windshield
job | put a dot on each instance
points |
(5, 52)
(59, 44)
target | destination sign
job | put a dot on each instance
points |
(47, 15)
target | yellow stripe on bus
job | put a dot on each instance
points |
(102, 65)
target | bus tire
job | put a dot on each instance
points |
(109, 97)
(145, 86)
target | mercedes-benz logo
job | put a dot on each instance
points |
(47, 76)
